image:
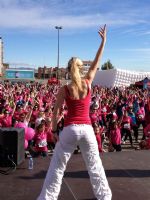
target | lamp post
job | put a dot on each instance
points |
(58, 29)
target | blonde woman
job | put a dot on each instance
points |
(77, 131)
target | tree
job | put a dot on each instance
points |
(107, 65)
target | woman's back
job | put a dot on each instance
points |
(78, 103)
(75, 92)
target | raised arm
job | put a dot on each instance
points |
(93, 68)
(58, 104)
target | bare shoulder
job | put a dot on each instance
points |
(60, 96)
(86, 82)
(61, 91)
(71, 86)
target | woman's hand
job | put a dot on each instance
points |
(102, 32)
(94, 66)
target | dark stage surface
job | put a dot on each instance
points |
(128, 175)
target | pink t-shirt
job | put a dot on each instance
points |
(115, 136)
(141, 114)
(126, 122)
(17, 114)
(41, 142)
(93, 117)
(6, 121)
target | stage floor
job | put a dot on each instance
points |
(128, 175)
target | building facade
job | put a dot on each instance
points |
(49, 72)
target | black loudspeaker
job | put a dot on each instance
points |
(12, 145)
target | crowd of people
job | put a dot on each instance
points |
(116, 114)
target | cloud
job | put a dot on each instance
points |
(144, 50)
(145, 33)
(77, 14)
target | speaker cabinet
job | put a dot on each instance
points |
(12, 144)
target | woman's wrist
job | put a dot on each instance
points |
(103, 41)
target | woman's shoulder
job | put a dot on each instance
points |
(62, 92)
(86, 82)
(62, 89)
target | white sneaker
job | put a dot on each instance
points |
(123, 142)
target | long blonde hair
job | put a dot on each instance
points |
(75, 66)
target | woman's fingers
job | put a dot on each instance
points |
(102, 31)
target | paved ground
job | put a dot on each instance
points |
(128, 175)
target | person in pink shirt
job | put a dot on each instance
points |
(25, 116)
(19, 110)
(115, 136)
(40, 116)
(8, 107)
(98, 130)
(104, 113)
(50, 136)
(94, 115)
(126, 127)
(40, 140)
(7, 118)
(99, 112)
(140, 114)
(34, 115)
(46, 98)
(112, 116)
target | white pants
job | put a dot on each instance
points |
(71, 136)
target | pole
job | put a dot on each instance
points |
(58, 29)
(58, 56)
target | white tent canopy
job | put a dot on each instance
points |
(118, 77)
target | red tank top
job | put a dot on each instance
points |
(78, 109)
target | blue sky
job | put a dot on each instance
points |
(29, 35)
